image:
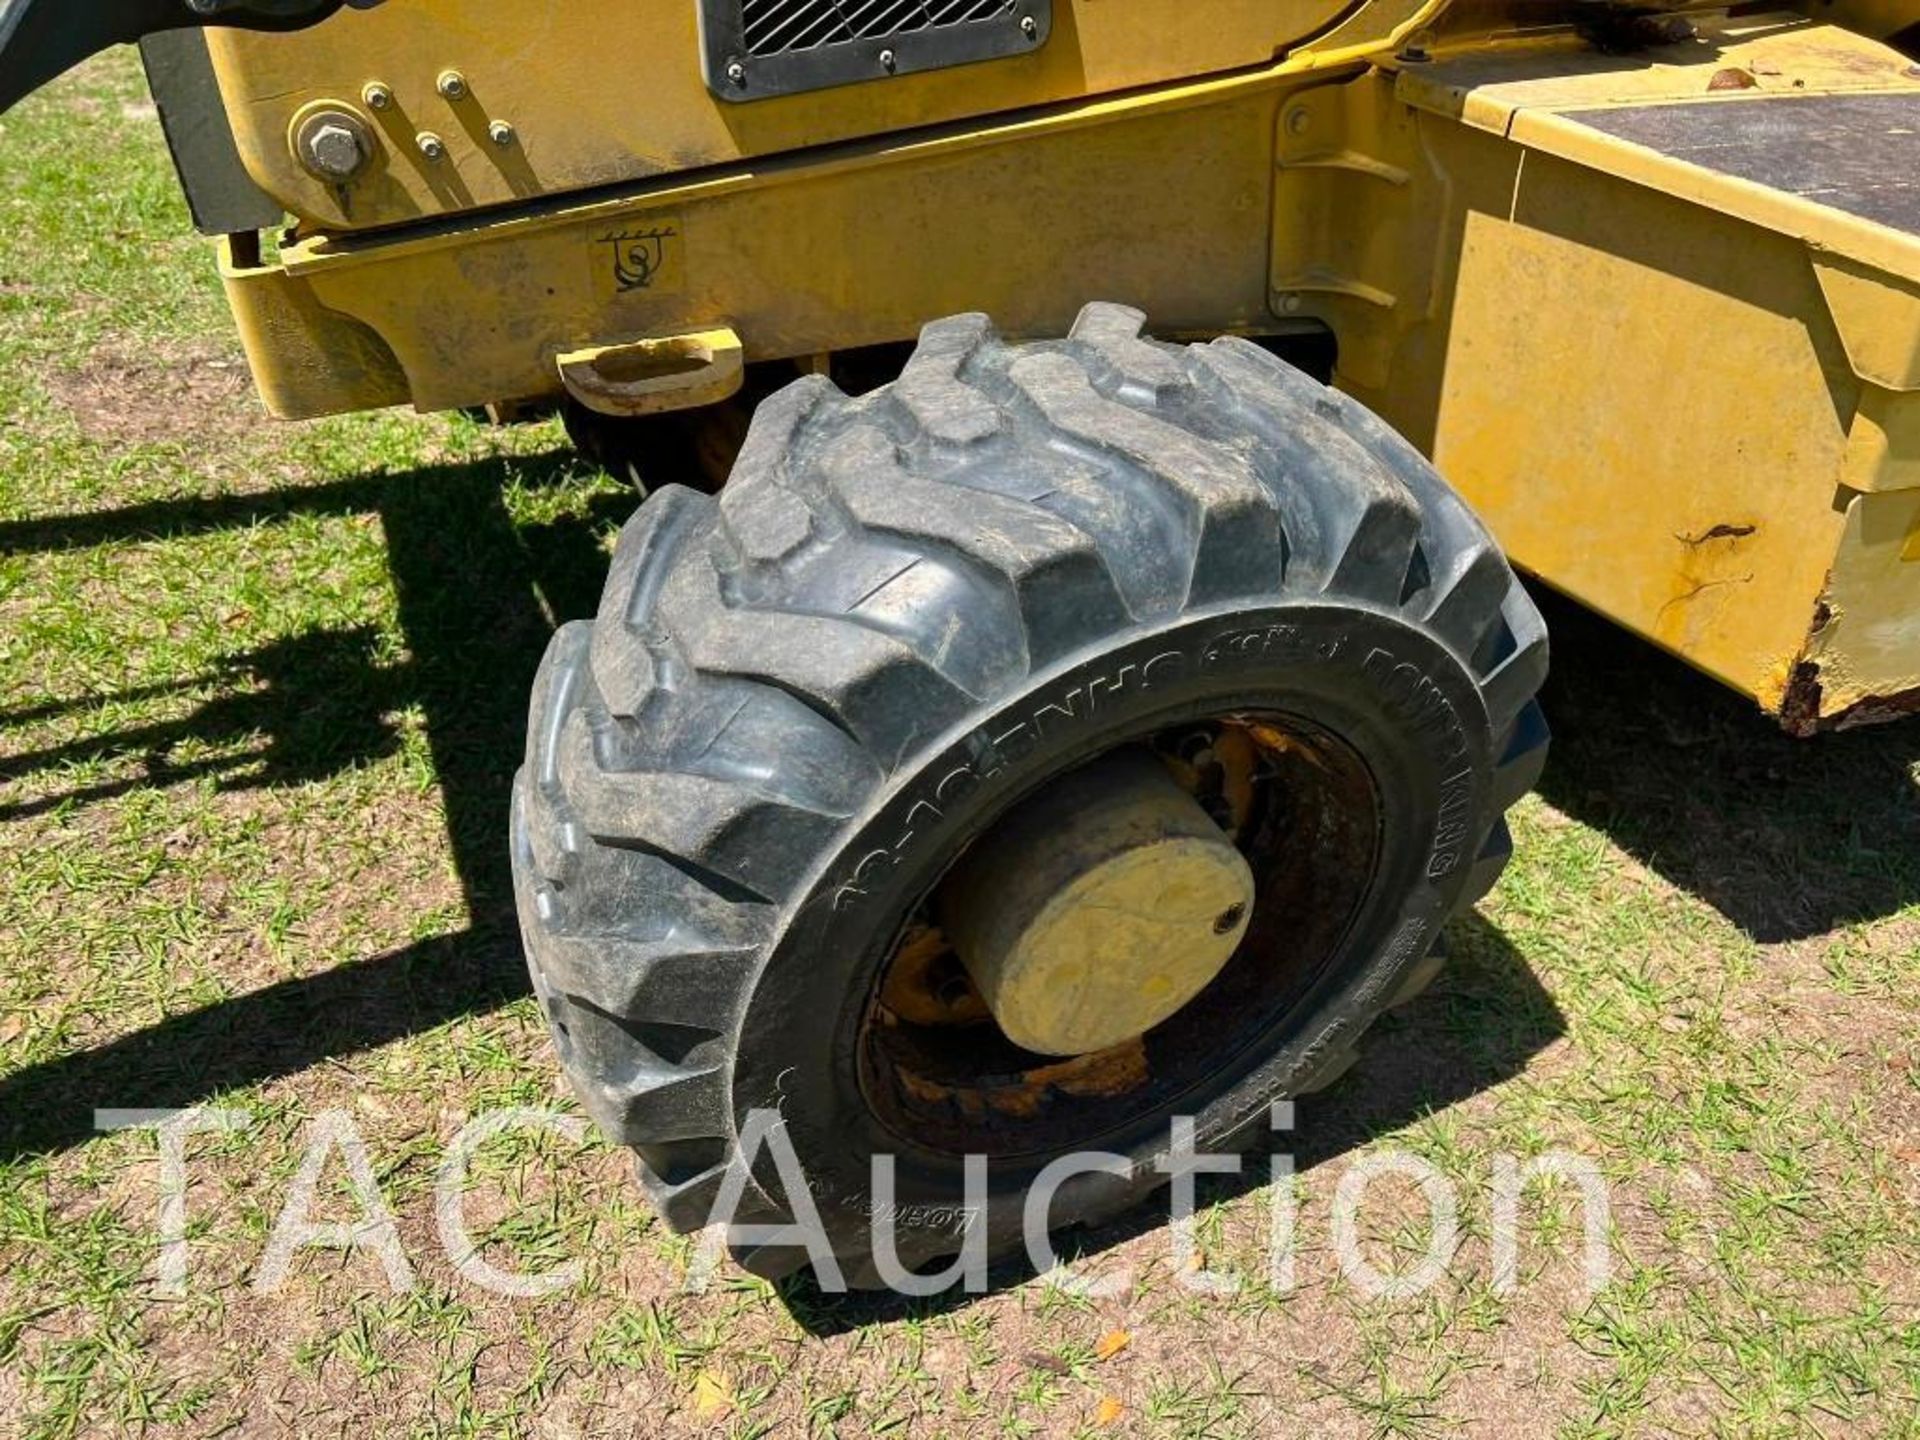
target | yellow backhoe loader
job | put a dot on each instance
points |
(999, 737)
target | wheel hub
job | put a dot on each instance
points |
(1096, 909)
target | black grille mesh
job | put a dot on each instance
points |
(782, 27)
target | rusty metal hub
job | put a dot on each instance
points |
(962, 1048)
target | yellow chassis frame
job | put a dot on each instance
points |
(1690, 400)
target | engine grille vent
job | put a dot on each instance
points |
(756, 48)
(779, 27)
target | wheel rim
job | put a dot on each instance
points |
(943, 1078)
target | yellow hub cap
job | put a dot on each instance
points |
(1097, 908)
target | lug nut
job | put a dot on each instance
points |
(452, 85)
(431, 146)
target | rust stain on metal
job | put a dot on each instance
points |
(1718, 532)
(1875, 710)
(927, 985)
(1104, 1074)
(1800, 707)
(1110, 1072)
(1696, 588)
(1239, 757)
(1800, 713)
(1800, 701)
(1702, 554)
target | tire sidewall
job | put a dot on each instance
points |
(1380, 684)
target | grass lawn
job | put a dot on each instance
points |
(261, 693)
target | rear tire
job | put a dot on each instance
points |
(907, 611)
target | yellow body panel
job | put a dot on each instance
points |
(1687, 397)
(603, 94)
(1669, 521)
(1682, 397)
(803, 258)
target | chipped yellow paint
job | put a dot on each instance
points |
(1869, 646)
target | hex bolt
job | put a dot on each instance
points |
(736, 73)
(501, 133)
(377, 96)
(334, 150)
(1299, 120)
(887, 60)
(431, 146)
(452, 85)
(333, 145)
(1289, 304)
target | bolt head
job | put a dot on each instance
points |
(1299, 121)
(737, 73)
(431, 145)
(501, 133)
(334, 145)
(1290, 305)
(335, 150)
(377, 96)
(452, 85)
(887, 60)
(1029, 27)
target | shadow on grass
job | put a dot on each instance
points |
(1786, 838)
(474, 595)
(322, 700)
